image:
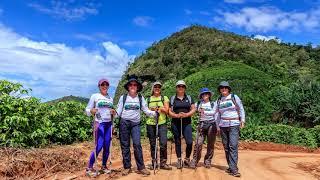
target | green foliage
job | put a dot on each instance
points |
(284, 134)
(69, 98)
(298, 102)
(28, 122)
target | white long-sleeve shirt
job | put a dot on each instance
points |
(131, 109)
(104, 104)
(228, 114)
(209, 111)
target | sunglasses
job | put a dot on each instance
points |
(181, 86)
(157, 87)
(104, 84)
(133, 84)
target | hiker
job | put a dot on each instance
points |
(181, 109)
(156, 100)
(231, 117)
(207, 128)
(100, 106)
(128, 109)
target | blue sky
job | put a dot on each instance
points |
(62, 47)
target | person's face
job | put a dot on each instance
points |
(224, 91)
(104, 88)
(206, 96)
(181, 89)
(156, 89)
(133, 87)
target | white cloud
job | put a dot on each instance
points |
(143, 21)
(187, 11)
(136, 43)
(266, 38)
(92, 37)
(67, 10)
(234, 1)
(266, 19)
(54, 69)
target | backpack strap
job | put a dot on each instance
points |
(198, 105)
(140, 100)
(172, 100)
(189, 98)
(236, 104)
(124, 98)
(148, 100)
(212, 104)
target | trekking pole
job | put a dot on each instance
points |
(156, 147)
(181, 142)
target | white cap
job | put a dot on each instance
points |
(181, 82)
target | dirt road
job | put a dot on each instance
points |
(254, 165)
(275, 162)
(262, 165)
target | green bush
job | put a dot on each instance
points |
(283, 134)
(27, 122)
(297, 103)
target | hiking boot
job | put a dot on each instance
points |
(144, 172)
(187, 162)
(193, 164)
(207, 165)
(228, 170)
(105, 170)
(165, 166)
(90, 172)
(236, 174)
(125, 172)
(179, 163)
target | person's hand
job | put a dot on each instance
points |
(177, 116)
(113, 112)
(242, 125)
(93, 111)
(201, 112)
(162, 110)
(183, 115)
(218, 131)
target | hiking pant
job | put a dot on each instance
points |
(102, 137)
(230, 140)
(187, 134)
(131, 129)
(205, 130)
(162, 134)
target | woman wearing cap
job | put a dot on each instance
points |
(100, 106)
(128, 109)
(157, 101)
(181, 109)
(231, 117)
(207, 128)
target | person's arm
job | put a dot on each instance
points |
(241, 109)
(146, 110)
(217, 115)
(120, 106)
(165, 108)
(90, 110)
(171, 113)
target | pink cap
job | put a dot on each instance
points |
(103, 80)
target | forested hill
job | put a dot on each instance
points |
(257, 69)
